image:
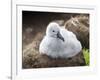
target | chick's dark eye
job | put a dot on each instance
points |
(53, 31)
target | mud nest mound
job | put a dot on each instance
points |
(44, 61)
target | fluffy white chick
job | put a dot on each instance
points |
(59, 42)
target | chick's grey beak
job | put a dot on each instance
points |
(60, 36)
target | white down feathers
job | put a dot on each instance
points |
(59, 42)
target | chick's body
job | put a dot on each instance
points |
(57, 47)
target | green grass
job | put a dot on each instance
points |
(86, 56)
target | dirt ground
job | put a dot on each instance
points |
(34, 26)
